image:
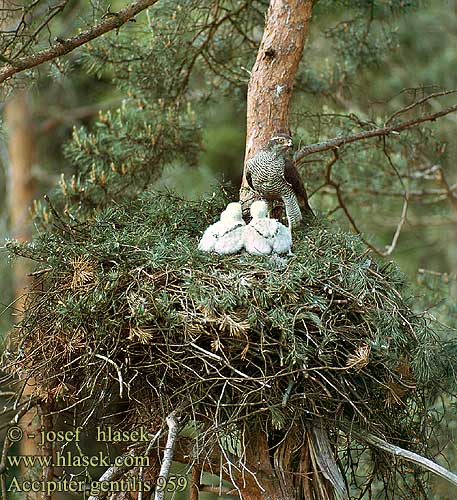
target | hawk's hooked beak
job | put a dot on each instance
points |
(289, 143)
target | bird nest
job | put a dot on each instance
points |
(126, 315)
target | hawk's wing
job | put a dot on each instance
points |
(248, 176)
(293, 177)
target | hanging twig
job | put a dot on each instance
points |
(118, 370)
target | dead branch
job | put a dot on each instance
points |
(337, 142)
(449, 190)
(116, 472)
(112, 474)
(419, 102)
(330, 182)
(410, 456)
(167, 455)
(112, 21)
(70, 116)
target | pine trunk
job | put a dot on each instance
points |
(272, 78)
(268, 104)
(273, 74)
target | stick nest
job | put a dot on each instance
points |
(126, 314)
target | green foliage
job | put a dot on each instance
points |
(127, 150)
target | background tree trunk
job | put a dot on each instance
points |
(21, 152)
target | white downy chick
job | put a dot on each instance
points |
(225, 236)
(263, 236)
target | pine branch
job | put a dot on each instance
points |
(111, 21)
(336, 142)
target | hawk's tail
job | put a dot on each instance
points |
(293, 212)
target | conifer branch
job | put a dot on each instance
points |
(111, 21)
(337, 142)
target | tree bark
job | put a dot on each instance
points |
(272, 77)
(273, 74)
(21, 152)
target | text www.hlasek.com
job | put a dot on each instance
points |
(67, 459)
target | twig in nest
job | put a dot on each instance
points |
(215, 356)
(118, 370)
(167, 454)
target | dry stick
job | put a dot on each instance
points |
(330, 182)
(326, 460)
(167, 455)
(115, 472)
(336, 142)
(47, 448)
(410, 456)
(118, 371)
(112, 21)
(216, 490)
(148, 452)
(111, 474)
(390, 248)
